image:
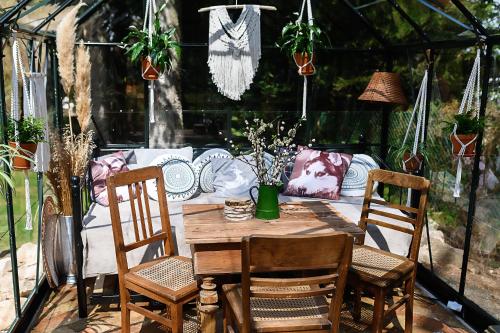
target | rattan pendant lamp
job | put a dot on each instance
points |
(384, 87)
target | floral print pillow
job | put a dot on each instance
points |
(318, 174)
(100, 170)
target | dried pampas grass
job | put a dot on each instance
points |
(59, 174)
(83, 99)
(65, 45)
(70, 157)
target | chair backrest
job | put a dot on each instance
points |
(136, 182)
(323, 259)
(413, 215)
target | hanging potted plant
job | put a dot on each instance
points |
(155, 52)
(411, 163)
(31, 131)
(468, 126)
(299, 39)
(6, 180)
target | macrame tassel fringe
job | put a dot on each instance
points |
(29, 220)
(151, 102)
(304, 99)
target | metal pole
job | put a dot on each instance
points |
(11, 13)
(488, 59)
(472, 19)
(8, 193)
(52, 16)
(78, 245)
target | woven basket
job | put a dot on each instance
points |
(384, 87)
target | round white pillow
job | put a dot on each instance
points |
(203, 165)
(354, 183)
(180, 176)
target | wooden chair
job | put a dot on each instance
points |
(377, 271)
(264, 304)
(168, 279)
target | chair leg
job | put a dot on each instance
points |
(125, 312)
(378, 311)
(177, 317)
(357, 303)
(409, 290)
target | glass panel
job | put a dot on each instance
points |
(482, 285)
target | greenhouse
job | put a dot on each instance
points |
(249, 166)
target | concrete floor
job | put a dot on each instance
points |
(60, 314)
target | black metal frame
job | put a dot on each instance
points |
(471, 312)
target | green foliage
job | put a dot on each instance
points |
(300, 38)
(30, 130)
(138, 44)
(5, 177)
(467, 123)
(398, 154)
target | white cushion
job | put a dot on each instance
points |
(357, 175)
(146, 156)
(180, 176)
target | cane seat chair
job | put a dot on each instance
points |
(262, 303)
(379, 272)
(168, 279)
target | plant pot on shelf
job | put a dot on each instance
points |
(467, 140)
(305, 63)
(149, 72)
(412, 164)
(21, 161)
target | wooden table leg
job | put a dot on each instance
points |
(208, 305)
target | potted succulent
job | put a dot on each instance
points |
(155, 53)
(468, 126)
(30, 131)
(411, 163)
(298, 39)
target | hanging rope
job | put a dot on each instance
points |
(472, 92)
(419, 110)
(306, 5)
(149, 22)
(18, 69)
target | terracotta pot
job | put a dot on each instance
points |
(413, 164)
(20, 162)
(305, 63)
(470, 150)
(149, 72)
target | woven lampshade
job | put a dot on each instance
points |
(384, 87)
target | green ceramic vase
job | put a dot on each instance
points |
(267, 205)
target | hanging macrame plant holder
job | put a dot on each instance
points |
(34, 105)
(464, 146)
(305, 61)
(412, 160)
(234, 50)
(150, 72)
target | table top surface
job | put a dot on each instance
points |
(205, 223)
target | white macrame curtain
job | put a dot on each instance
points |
(471, 102)
(306, 5)
(234, 50)
(148, 23)
(419, 110)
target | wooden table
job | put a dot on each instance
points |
(216, 242)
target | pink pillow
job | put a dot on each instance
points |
(318, 174)
(100, 170)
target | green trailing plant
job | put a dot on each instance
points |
(300, 37)
(138, 44)
(7, 153)
(30, 130)
(467, 123)
(399, 153)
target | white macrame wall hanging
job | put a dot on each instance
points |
(234, 50)
(419, 110)
(149, 24)
(471, 102)
(306, 5)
